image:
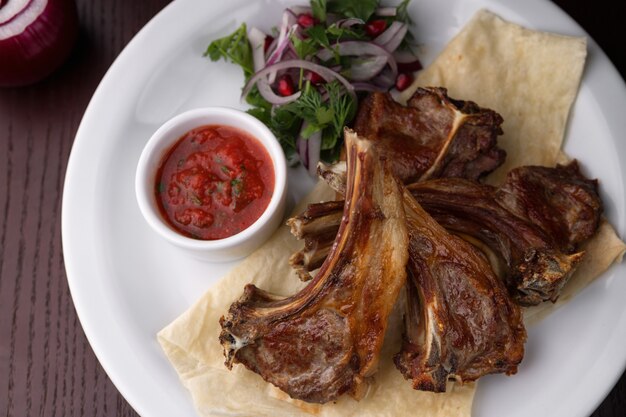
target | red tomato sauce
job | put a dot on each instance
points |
(214, 182)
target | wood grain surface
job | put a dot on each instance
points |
(47, 367)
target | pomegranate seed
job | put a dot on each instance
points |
(285, 85)
(403, 81)
(375, 27)
(313, 77)
(305, 20)
(268, 41)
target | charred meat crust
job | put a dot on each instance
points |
(433, 136)
(459, 323)
(325, 340)
(535, 222)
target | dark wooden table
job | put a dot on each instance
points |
(47, 367)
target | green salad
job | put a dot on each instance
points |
(304, 79)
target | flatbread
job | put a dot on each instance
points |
(529, 77)
(191, 344)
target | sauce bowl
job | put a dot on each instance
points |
(220, 250)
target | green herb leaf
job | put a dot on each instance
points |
(234, 47)
(261, 113)
(195, 200)
(254, 98)
(336, 33)
(237, 187)
(317, 34)
(310, 129)
(318, 7)
(344, 110)
(329, 139)
(285, 125)
(324, 115)
(328, 116)
(304, 47)
(361, 9)
(402, 14)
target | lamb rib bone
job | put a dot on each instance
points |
(325, 340)
(534, 222)
(322, 221)
(460, 322)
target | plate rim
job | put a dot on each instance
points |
(79, 141)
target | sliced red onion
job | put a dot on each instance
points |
(359, 86)
(293, 159)
(326, 73)
(395, 41)
(290, 18)
(367, 68)
(268, 94)
(290, 53)
(309, 149)
(296, 10)
(286, 28)
(346, 23)
(391, 38)
(270, 49)
(301, 146)
(284, 46)
(407, 61)
(390, 32)
(257, 42)
(36, 36)
(385, 11)
(281, 44)
(385, 79)
(405, 56)
(359, 48)
(314, 145)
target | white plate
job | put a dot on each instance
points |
(127, 283)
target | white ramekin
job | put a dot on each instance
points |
(221, 250)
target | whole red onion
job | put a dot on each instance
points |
(36, 37)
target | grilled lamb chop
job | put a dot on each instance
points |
(535, 222)
(561, 201)
(459, 321)
(325, 340)
(434, 136)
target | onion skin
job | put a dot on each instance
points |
(44, 45)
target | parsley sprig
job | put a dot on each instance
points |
(234, 48)
(328, 116)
